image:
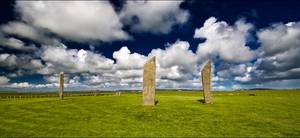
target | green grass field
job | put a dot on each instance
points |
(268, 113)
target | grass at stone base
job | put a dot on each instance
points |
(268, 113)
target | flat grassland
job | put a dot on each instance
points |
(243, 113)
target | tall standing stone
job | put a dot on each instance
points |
(149, 82)
(206, 82)
(61, 85)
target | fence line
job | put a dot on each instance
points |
(29, 96)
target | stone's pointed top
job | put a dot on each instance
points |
(152, 59)
(206, 63)
(61, 72)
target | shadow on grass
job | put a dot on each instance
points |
(201, 100)
(156, 102)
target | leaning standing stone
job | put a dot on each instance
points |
(206, 82)
(149, 82)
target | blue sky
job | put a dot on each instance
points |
(104, 44)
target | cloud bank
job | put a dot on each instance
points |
(39, 35)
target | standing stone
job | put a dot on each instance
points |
(61, 86)
(206, 82)
(149, 82)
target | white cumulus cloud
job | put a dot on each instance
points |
(279, 37)
(74, 20)
(156, 17)
(4, 80)
(176, 62)
(127, 60)
(24, 30)
(59, 58)
(14, 43)
(279, 52)
(227, 42)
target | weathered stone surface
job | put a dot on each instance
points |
(61, 85)
(149, 82)
(206, 82)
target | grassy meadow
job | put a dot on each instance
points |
(243, 113)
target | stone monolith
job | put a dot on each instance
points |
(206, 82)
(61, 85)
(149, 82)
